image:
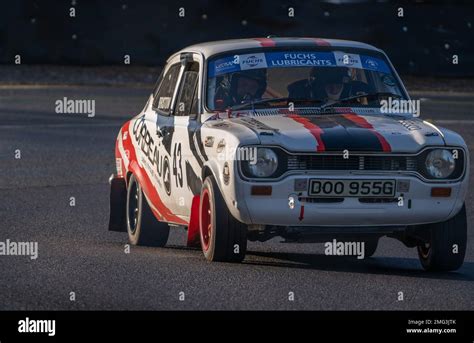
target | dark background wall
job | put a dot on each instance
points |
(421, 43)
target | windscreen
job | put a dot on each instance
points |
(307, 78)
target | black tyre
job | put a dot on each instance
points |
(370, 246)
(446, 246)
(223, 238)
(142, 226)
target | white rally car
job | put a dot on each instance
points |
(255, 138)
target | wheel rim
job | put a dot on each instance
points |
(206, 220)
(133, 207)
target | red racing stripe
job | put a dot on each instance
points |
(146, 184)
(301, 217)
(266, 42)
(321, 42)
(360, 121)
(314, 129)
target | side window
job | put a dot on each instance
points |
(187, 89)
(194, 106)
(164, 96)
(159, 81)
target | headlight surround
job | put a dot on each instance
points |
(440, 163)
(264, 165)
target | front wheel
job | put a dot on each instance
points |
(446, 244)
(223, 238)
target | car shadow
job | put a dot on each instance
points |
(397, 266)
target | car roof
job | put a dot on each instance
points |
(211, 48)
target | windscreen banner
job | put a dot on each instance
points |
(285, 59)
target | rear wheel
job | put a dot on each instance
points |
(142, 226)
(446, 244)
(223, 238)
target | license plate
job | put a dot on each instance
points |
(351, 188)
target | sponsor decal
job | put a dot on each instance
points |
(209, 141)
(388, 80)
(226, 173)
(224, 65)
(300, 59)
(147, 144)
(290, 59)
(118, 166)
(164, 103)
(375, 64)
(221, 145)
(252, 61)
(256, 125)
(344, 59)
(158, 207)
(410, 125)
(372, 63)
(167, 176)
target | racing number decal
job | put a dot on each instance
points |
(177, 171)
(177, 165)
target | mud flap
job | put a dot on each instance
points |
(194, 239)
(118, 203)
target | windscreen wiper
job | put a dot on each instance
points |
(263, 101)
(365, 95)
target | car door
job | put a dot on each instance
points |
(160, 121)
(185, 166)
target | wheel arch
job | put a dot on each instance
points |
(128, 175)
(206, 171)
(229, 191)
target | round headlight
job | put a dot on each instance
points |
(264, 164)
(440, 163)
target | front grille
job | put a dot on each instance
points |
(368, 162)
(352, 162)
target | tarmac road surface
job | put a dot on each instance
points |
(64, 156)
